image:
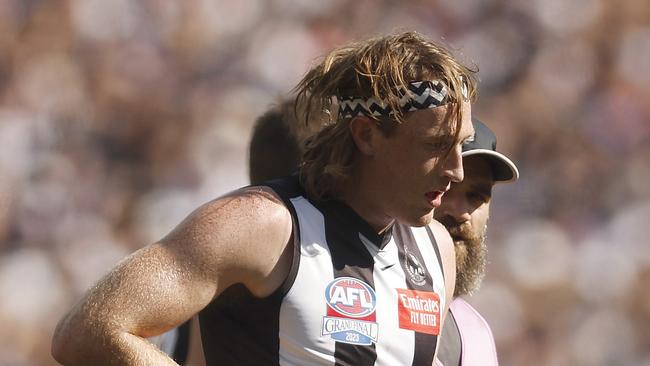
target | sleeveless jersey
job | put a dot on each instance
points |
(352, 297)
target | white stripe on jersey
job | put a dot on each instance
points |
(314, 273)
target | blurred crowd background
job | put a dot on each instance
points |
(118, 117)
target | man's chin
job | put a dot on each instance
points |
(420, 221)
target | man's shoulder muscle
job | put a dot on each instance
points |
(239, 237)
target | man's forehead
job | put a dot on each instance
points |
(467, 127)
(437, 122)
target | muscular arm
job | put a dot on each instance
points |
(164, 284)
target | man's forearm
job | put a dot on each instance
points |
(136, 350)
(117, 349)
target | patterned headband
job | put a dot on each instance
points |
(419, 95)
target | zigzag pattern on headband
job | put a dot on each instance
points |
(419, 95)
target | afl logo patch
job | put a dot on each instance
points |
(351, 314)
(351, 297)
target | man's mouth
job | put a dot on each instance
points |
(434, 198)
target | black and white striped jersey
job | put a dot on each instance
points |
(352, 297)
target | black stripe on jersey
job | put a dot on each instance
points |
(182, 343)
(435, 247)
(451, 347)
(425, 344)
(238, 328)
(350, 258)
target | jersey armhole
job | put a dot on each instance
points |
(286, 189)
(295, 260)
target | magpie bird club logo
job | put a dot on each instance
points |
(351, 317)
(414, 269)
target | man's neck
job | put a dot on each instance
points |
(364, 200)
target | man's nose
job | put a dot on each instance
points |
(454, 165)
(455, 207)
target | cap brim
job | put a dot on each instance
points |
(504, 169)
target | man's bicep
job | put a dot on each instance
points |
(165, 283)
(146, 294)
(161, 285)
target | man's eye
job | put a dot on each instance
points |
(438, 146)
(477, 198)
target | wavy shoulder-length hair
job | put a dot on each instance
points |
(377, 68)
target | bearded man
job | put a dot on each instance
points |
(465, 210)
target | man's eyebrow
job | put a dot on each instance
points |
(468, 139)
(483, 188)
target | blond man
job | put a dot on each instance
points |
(339, 265)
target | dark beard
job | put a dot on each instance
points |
(471, 257)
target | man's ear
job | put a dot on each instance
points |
(362, 130)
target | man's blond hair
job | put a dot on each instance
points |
(377, 68)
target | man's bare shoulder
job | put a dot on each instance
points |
(243, 209)
(242, 234)
(445, 245)
(440, 232)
